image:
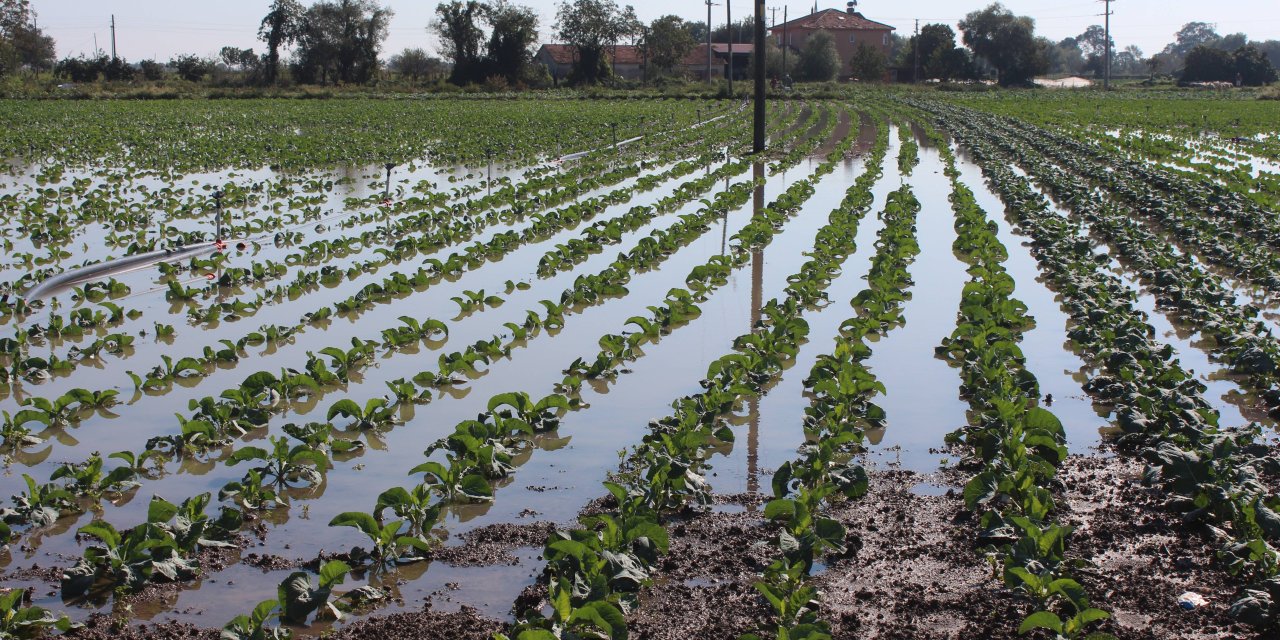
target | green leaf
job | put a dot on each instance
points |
(160, 510)
(604, 616)
(1041, 620)
(333, 573)
(358, 519)
(346, 408)
(103, 531)
(780, 509)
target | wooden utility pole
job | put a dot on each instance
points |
(113, 36)
(728, 26)
(786, 44)
(915, 54)
(757, 143)
(1106, 73)
(709, 5)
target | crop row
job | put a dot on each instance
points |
(482, 451)
(1197, 296)
(242, 409)
(595, 572)
(171, 369)
(1016, 444)
(1221, 226)
(298, 463)
(1213, 473)
(303, 134)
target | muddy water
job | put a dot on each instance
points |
(434, 302)
(556, 482)
(348, 486)
(1224, 394)
(922, 403)
(1046, 347)
(773, 425)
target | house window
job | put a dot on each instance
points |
(779, 41)
(885, 40)
(853, 39)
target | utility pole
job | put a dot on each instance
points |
(786, 44)
(1106, 73)
(773, 16)
(757, 142)
(709, 5)
(113, 36)
(915, 54)
(728, 25)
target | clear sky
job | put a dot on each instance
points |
(161, 29)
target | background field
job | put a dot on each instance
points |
(936, 366)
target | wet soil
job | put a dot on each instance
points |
(912, 569)
(493, 544)
(424, 625)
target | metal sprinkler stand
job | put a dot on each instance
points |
(613, 126)
(217, 215)
(488, 154)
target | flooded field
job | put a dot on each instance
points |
(349, 387)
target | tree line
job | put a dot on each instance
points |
(492, 42)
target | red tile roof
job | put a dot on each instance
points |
(567, 53)
(834, 20)
(698, 55)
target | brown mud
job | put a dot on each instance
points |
(912, 569)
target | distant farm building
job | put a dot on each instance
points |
(627, 61)
(695, 64)
(849, 29)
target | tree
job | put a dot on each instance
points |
(1007, 42)
(151, 70)
(939, 56)
(31, 48)
(1066, 57)
(239, 59)
(932, 37)
(191, 68)
(339, 41)
(592, 26)
(22, 44)
(742, 31)
(14, 14)
(1190, 36)
(1254, 68)
(819, 60)
(1129, 62)
(668, 43)
(281, 27)
(1093, 42)
(1271, 49)
(415, 64)
(773, 62)
(868, 63)
(950, 64)
(1232, 42)
(458, 26)
(514, 32)
(1208, 64)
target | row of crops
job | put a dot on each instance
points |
(425, 321)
